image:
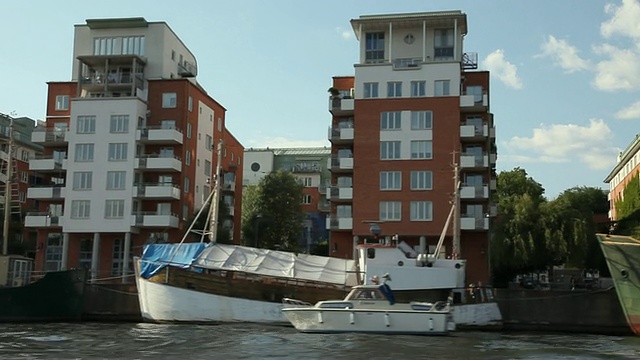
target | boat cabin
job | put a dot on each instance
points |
(371, 293)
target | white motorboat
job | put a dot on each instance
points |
(370, 309)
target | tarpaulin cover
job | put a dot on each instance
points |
(156, 256)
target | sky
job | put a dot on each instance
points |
(565, 75)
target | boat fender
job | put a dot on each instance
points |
(386, 319)
(352, 319)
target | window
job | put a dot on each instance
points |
(370, 90)
(390, 120)
(169, 100)
(421, 180)
(442, 88)
(389, 150)
(116, 180)
(188, 130)
(53, 253)
(306, 199)
(24, 176)
(80, 209)
(443, 43)
(421, 149)
(119, 124)
(186, 184)
(22, 197)
(307, 182)
(219, 124)
(85, 255)
(476, 91)
(190, 104)
(390, 210)
(421, 120)
(117, 151)
(173, 55)
(117, 257)
(24, 155)
(374, 47)
(208, 142)
(114, 209)
(207, 167)
(62, 102)
(394, 89)
(84, 152)
(163, 209)
(421, 211)
(390, 180)
(418, 88)
(86, 124)
(82, 180)
(187, 157)
(121, 45)
(343, 211)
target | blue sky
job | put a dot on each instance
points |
(565, 74)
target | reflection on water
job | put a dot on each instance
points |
(244, 341)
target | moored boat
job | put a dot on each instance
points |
(370, 309)
(622, 254)
(52, 297)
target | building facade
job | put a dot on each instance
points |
(408, 129)
(129, 149)
(626, 168)
(311, 167)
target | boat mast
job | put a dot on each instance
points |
(7, 191)
(456, 213)
(214, 206)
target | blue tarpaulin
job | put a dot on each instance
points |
(156, 256)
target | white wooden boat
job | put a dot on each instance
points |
(370, 309)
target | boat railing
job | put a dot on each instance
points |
(289, 302)
(472, 295)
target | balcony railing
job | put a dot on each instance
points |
(49, 136)
(407, 63)
(155, 219)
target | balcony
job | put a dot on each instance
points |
(42, 220)
(46, 163)
(474, 161)
(157, 191)
(155, 162)
(341, 135)
(340, 194)
(474, 192)
(154, 219)
(159, 135)
(46, 192)
(324, 206)
(187, 70)
(341, 106)
(339, 223)
(475, 132)
(306, 168)
(50, 137)
(470, 222)
(474, 103)
(341, 164)
(229, 186)
(407, 63)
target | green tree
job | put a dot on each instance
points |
(223, 235)
(275, 222)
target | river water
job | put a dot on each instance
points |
(241, 341)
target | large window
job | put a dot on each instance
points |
(421, 180)
(207, 167)
(119, 124)
(117, 151)
(114, 209)
(208, 142)
(394, 89)
(117, 258)
(86, 124)
(390, 210)
(442, 88)
(421, 149)
(53, 253)
(418, 88)
(370, 90)
(421, 120)
(121, 45)
(80, 209)
(374, 47)
(389, 150)
(421, 211)
(443, 43)
(62, 102)
(84, 152)
(390, 180)
(390, 120)
(116, 180)
(169, 100)
(86, 253)
(82, 180)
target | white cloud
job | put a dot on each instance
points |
(623, 21)
(564, 55)
(346, 34)
(569, 142)
(621, 71)
(282, 142)
(502, 69)
(630, 112)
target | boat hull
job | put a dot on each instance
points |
(622, 254)
(314, 320)
(58, 296)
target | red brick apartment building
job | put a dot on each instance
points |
(129, 149)
(416, 106)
